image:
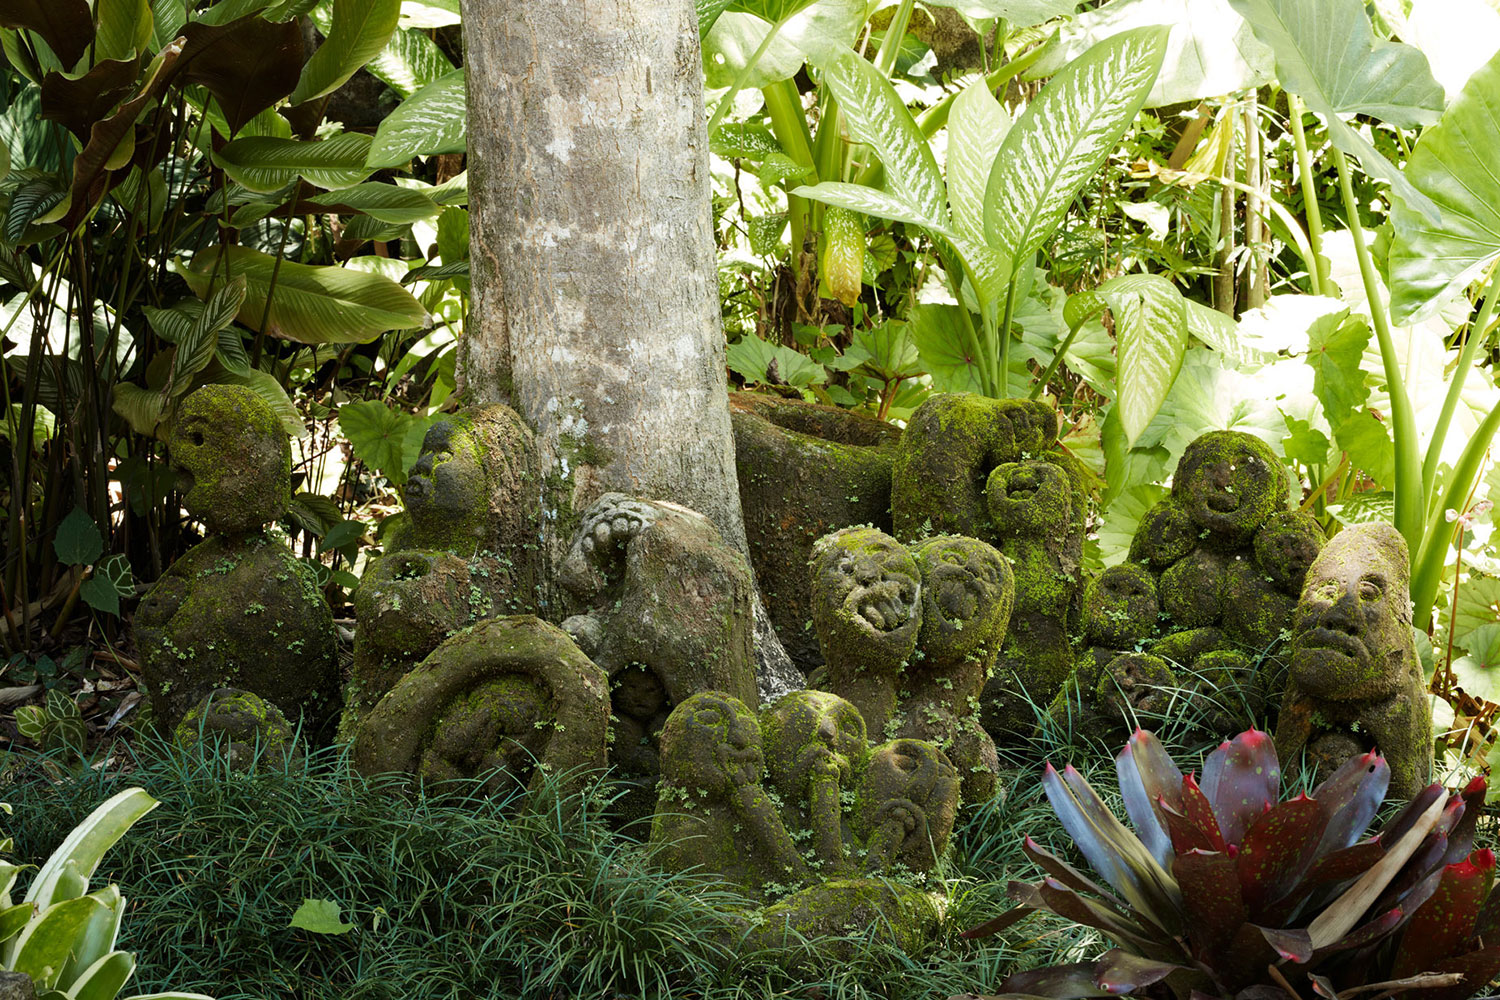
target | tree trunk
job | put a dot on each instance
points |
(595, 306)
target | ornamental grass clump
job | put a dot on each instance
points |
(1223, 891)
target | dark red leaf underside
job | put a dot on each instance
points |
(1277, 850)
(1445, 923)
(1240, 779)
(1211, 897)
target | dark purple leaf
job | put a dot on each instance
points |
(1277, 850)
(1146, 774)
(1067, 874)
(1292, 943)
(1069, 905)
(1350, 797)
(1329, 870)
(1364, 935)
(1199, 810)
(1185, 836)
(1065, 982)
(248, 64)
(79, 103)
(1441, 927)
(1322, 987)
(1241, 779)
(1210, 897)
(1461, 840)
(1398, 824)
(997, 924)
(1119, 972)
(66, 25)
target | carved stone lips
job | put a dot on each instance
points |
(957, 594)
(882, 606)
(1222, 503)
(1332, 640)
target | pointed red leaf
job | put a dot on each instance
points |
(1277, 850)
(1063, 981)
(1445, 923)
(1461, 839)
(1069, 905)
(1211, 897)
(1067, 874)
(1146, 773)
(1240, 779)
(1329, 870)
(1398, 824)
(1350, 798)
(1200, 813)
(1364, 935)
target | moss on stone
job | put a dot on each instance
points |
(1191, 590)
(950, 446)
(245, 727)
(841, 912)
(1285, 548)
(232, 458)
(1120, 608)
(1230, 483)
(805, 470)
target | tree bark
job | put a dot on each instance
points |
(595, 304)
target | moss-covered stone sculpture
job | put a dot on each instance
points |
(246, 727)
(1355, 679)
(506, 698)
(237, 610)
(911, 635)
(866, 590)
(949, 448)
(805, 470)
(1226, 557)
(1038, 511)
(796, 796)
(664, 609)
(465, 548)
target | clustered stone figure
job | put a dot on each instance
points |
(935, 632)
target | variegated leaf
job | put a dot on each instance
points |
(976, 127)
(1151, 336)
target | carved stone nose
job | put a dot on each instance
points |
(1343, 615)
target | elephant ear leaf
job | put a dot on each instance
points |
(65, 25)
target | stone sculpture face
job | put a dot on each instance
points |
(447, 490)
(712, 743)
(1120, 607)
(232, 458)
(968, 590)
(865, 597)
(501, 723)
(1351, 636)
(1286, 547)
(1229, 483)
(1031, 497)
(1166, 534)
(812, 734)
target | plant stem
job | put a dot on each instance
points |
(971, 338)
(890, 45)
(1318, 269)
(1410, 505)
(784, 106)
(727, 101)
(1057, 356)
(1003, 335)
(1472, 343)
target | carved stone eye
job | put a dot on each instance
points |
(1370, 590)
(708, 717)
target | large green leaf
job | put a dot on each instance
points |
(976, 127)
(378, 435)
(938, 333)
(1336, 343)
(1327, 53)
(1019, 13)
(385, 202)
(802, 30)
(44, 944)
(433, 120)
(875, 114)
(1211, 50)
(1451, 166)
(84, 847)
(265, 163)
(410, 61)
(1151, 333)
(124, 28)
(247, 64)
(309, 304)
(870, 201)
(757, 360)
(360, 30)
(105, 978)
(1064, 136)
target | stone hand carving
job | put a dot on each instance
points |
(1355, 678)
(664, 609)
(238, 610)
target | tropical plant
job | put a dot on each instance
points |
(62, 935)
(1224, 887)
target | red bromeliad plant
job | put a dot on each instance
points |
(1229, 893)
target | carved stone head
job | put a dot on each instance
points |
(1351, 636)
(866, 599)
(1286, 547)
(1166, 534)
(968, 590)
(1120, 607)
(710, 743)
(233, 460)
(809, 733)
(446, 492)
(1230, 483)
(1029, 498)
(914, 777)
